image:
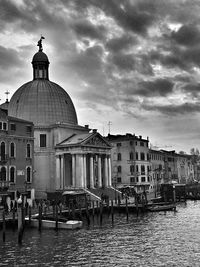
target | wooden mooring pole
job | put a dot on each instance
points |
(4, 225)
(73, 211)
(40, 218)
(87, 214)
(93, 210)
(136, 204)
(56, 225)
(13, 218)
(112, 214)
(101, 211)
(20, 224)
(127, 209)
(29, 214)
(97, 203)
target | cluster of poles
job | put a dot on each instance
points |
(95, 208)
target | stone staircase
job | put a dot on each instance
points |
(111, 192)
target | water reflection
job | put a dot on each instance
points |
(153, 239)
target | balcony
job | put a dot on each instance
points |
(4, 185)
(4, 158)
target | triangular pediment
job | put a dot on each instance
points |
(96, 140)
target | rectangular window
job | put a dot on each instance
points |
(119, 144)
(141, 143)
(143, 179)
(132, 179)
(43, 141)
(13, 127)
(4, 126)
(28, 129)
(119, 179)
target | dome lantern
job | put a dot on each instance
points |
(42, 101)
(40, 63)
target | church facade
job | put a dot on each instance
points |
(66, 155)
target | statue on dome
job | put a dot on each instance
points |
(40, 43)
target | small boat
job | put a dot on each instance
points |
(162, 207)
(71, 224)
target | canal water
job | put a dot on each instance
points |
(153, 239)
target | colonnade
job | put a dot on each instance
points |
(87, 171)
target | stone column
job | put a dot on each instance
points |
(106, 171)
(57, 172)
(79, 171)
(99, 172)
(73, 170)
(62, 172)
(91, 171)
(84, 171)
(109, 172)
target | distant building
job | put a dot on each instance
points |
(130, 161)
(16, 157)
(185, 169)
(157, 169)
(171, 167)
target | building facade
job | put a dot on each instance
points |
(157, 169)
(130, 161)
(16, 157)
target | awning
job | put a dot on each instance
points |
(74, 193)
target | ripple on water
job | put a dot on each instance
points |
(153, 239)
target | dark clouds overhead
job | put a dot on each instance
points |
(139, 57)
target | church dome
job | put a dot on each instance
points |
(40, 57)
(41, 101)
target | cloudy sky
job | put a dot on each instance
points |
(132, 63)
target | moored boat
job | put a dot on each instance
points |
(162, 207)
(71, 224)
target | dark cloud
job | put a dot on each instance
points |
(88, 64)
(123, 62)
(187, 35)
(193, 89)
(158, 87)
(87, 29)
(124, 42)
(127, 15)
(173, 110)
(9, 58)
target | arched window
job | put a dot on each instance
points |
(132, 169)
(3, 174)
(142, 156)
(12, 150)
(28, 174)
(119, 157)
(28, 150)
(5, 126)
(136, 154)
(131, 155)
(119, 169)
(142, 169)
(12, 174)
(3, 151)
